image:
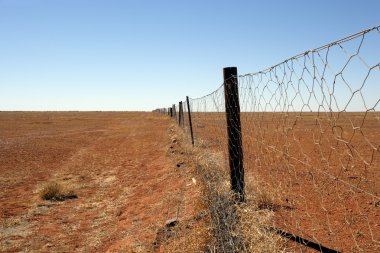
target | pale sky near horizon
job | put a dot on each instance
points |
(140, 55)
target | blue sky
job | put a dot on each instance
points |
(139, 55)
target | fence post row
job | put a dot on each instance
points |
(190, 123)
(235, 150)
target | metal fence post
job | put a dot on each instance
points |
(190, 123)
(235, 150)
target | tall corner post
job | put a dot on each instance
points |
(235, 147)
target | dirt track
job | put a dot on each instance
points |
(118, 165)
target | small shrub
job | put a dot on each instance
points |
(56, 192)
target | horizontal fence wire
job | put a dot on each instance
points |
(311, 141)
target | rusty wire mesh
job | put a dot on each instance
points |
(311, 142)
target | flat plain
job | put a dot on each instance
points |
(118, 165)
(318, 174)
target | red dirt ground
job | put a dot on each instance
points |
(118, 164)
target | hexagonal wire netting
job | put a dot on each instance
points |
(311, 142)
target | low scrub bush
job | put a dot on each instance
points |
(56, 192)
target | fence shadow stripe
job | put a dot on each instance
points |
(303, 241)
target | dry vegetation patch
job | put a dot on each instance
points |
(236, 227)
(227, 226)
(55, 191)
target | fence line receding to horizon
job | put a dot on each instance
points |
(310, 129)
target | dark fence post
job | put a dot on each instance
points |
(235, 150)
(190, 123)
(174, 112)
(171, 112)
(180, 114)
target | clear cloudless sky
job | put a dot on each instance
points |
(140, 54)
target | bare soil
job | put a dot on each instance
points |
(127, 173)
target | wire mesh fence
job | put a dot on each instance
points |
(311, 142)
(312, 137)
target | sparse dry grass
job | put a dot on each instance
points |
(263, 200)
(192, 232)
(236, 227)
(254, 225)
(231, 227)
(55, 191)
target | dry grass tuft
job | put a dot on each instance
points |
(236, 227)
(263, 200)
(56, 192)
(255, 223)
